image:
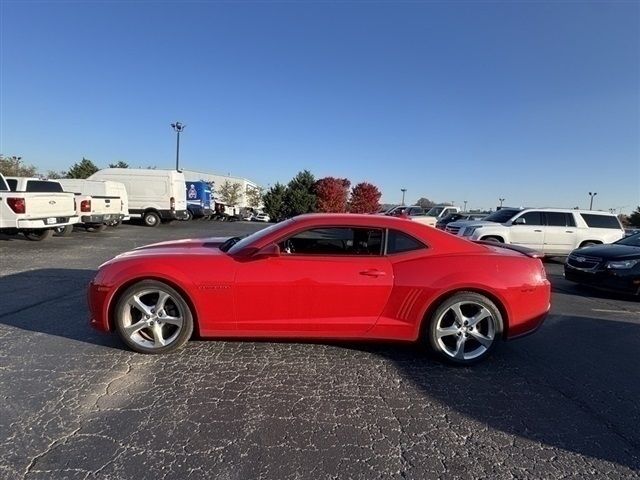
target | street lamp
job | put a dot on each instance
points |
(591, 202)
(465, 205)
(403, 190)
(178, 127)
(501, 200)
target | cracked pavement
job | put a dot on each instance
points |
(75, 404)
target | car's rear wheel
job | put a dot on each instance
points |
(38, 235)
(151, 219)
(465, 328)
(152, 317)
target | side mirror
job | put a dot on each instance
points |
(271, 250)
(519, 221)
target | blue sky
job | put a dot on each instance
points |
(535, 102)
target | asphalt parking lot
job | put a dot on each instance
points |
(563, 403)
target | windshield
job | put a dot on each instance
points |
(632, 241)
(257, 236)
(501, 216)
(435, 211)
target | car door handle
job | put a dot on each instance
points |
(568, 231)
(538, 231)
(373, 273)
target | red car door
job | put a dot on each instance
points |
(320, 290)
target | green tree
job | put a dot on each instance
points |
(425, 203)
(300, 196)
(274, 202)
(83, 169)
(14, 167)
(634, 218)
(230, 193)
(254, 196)
(119, 164)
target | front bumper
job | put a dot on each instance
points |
(172, 214)
(613, 280)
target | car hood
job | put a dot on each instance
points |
(187, 243)
(609, 251)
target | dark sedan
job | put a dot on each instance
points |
(613, 267)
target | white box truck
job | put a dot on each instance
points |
(154, 195)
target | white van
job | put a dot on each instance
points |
(153, 195)
(101, 190)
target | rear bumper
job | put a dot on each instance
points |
(40, 223)
(172, 214)
(99, 218)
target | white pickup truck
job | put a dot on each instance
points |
(35, 214)
(94, 212)
(434, 214)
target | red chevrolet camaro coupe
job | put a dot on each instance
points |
(325, 276)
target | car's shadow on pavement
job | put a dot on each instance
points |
(573, 386)
(51, 301)
(574, 392)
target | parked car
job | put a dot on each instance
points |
(405, 210)
(114, 192)
(325, 276)
(613, 267)
(553, 231)
(34, 213)
(434, 214)
(499, 216)
(631, 231)
(261, 217)
(198, 200)
(454, 217)
(155, 196)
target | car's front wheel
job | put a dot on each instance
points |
(152, 317)
(464, 329)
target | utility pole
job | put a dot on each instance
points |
(403, 190)
(178, 127)
(501, 201)
(591, 202)
(465, 205)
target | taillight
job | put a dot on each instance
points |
(172, 202)
(85, 206)
(17, 205)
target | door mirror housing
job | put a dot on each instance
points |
(271, 250)
(519, 221)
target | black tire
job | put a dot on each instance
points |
(151, 219)
(38, 235)
(493, 239)
(63, 231)
(97, 228)
(443, 346)
(115, 223)
(122, 319)
(188, 216)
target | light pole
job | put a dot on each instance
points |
(465, 206)
(591, 202)
(178, 127)
(501, 201)
(403, 190)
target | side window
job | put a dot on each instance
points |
(529, 218)
(571, 221)
(13, 184)
(556, 219)
(601, 221)
(334, 241)
(399, 242)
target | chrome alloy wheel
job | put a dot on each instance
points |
(152, 318)
(465, 330)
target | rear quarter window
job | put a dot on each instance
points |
(398, 242)
(13, 184)
(601, 221)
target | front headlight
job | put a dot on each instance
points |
(622, 264)
(467, 232)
